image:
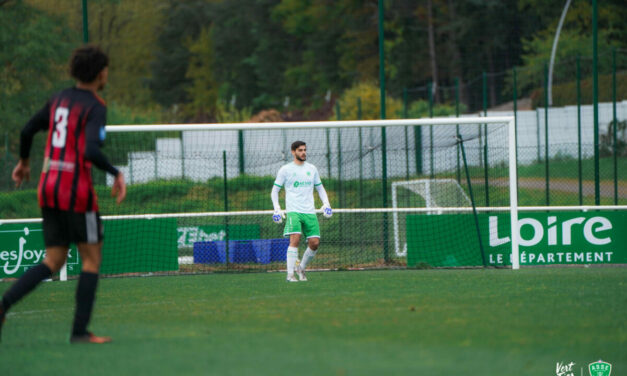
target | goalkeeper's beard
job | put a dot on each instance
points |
(302, 159)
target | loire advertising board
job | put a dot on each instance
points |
(545, 238)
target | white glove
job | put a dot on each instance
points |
(278, 216)
(326, 211)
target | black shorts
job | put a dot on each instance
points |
(62, 227)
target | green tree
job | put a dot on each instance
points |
(183, 19)
(34, 51)
(203, 91)
(368, 94)
(125, 30)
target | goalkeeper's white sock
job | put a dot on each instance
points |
(292, 256)
(309, 254)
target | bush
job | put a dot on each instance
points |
(369, 95)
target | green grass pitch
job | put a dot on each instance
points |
(392, 322)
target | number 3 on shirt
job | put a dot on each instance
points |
(60, 127)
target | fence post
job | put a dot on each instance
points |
(130, 169)
(384, 167)
(327, 132)
(182, 157)
(546, 133)
(406, 135)
(615, 122)
(538, 142)
(595, 102)
(338, 114)
(240, 146)
(515, 93)
(579, 163)
(458, 170)
(431, 166)
(85, 23)
(226, 207)
(484, 94)
(361, 155)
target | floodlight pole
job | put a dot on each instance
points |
(554, 49)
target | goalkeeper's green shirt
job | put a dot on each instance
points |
(299, 182)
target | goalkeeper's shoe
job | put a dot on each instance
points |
(301, 274)
(291, 278)
(89, 337)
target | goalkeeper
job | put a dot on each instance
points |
(299, 179)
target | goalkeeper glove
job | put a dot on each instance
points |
(326, 211)
(278, 216)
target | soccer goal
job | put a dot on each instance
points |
(199, 194)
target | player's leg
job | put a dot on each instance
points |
(54, 260)
(293, 229)
(312, 231)
(89, 236)
(292, 257)
(91, 256)
(56, 239)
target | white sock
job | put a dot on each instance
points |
(292, 255)
(309, 254)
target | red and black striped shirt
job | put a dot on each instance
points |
(75, 120)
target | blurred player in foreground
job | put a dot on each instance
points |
(74, 120)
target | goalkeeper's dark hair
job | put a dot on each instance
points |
(87, 62)
(297, 144)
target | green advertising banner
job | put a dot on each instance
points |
(139, 246)
(22, 246)
(188, 235)
(131, 245)
(546, 238)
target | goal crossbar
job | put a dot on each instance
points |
(309, 124)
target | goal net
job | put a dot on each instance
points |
(428, 193)
(199, 194)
